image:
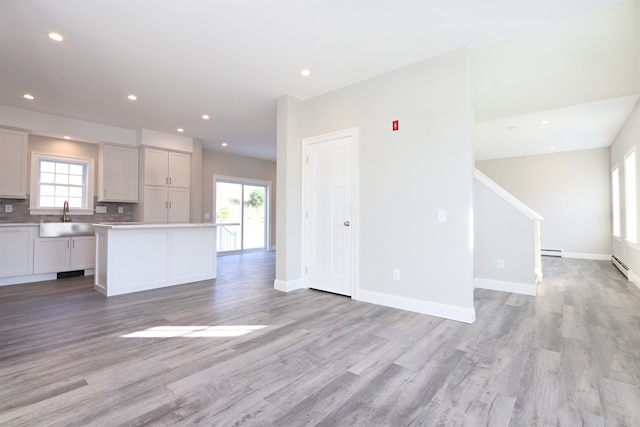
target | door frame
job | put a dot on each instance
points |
(355, 202)
(267, 219)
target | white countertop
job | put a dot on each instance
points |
(142, 225)
(20, 224)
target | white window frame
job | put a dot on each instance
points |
(631, 198)
(34, 198)
(616, 223)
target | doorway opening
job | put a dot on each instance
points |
(241, 209)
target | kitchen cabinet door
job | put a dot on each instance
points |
(51, 255)
(179, 170)
(83, 252)
(118, 174)
(13, 164)
(16, 251)
(156, 167)
(178, 205)
(155, 204)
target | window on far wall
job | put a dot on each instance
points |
(615, 200)
(630, 196)
(56, 179)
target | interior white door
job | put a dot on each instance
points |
(328, 228)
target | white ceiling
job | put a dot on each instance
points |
(233, 59)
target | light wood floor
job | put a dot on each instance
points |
(569, 357)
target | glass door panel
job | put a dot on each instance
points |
(253, 219)
(241, 215)
(229, 216)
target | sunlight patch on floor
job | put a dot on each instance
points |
(222, 331)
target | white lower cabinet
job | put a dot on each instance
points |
(60, 254)
(16, 251)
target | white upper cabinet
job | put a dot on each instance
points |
(13, 164)
(179, 170)
(117, 174)
(167, 168)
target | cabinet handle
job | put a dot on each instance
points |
(67, 244)
(166, 205)
(169, 204)
(170, 180)
(74, 244)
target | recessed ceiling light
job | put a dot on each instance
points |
(180, 130)
(66, 137)
(55, 36)
(132, 97)
(28, 96)
(224, 144)
(545, 122)
(306, 72)
(205, 117)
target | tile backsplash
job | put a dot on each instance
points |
(20, 213)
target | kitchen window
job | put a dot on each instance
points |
(56, 179)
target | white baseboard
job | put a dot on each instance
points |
(452, 312)
(581, 255)
(32, 278)
(288, 285)
(499, 285)
(633, 277)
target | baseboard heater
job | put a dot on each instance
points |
(551, 252)
(623, 268)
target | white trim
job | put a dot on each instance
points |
(288, 285)
(35, 180)
(584, 255)
(354, 134)
(451, 312)
(499, 285)
(504, 194)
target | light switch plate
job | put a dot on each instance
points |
(120, 209)
(442, 215)
(8, 208)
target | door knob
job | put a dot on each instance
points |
(347, 223)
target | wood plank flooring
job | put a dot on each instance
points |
(569, 357)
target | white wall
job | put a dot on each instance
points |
(502, 232)
(57, 127)
(405, 177)
(571, 191)
(628, 137)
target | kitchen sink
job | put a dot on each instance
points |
(66, 229)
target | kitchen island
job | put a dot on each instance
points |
(133, 257)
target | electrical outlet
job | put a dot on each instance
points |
(8, 208)
(396, 274)
(207, 215)
(101, 209)
(501, 264)
(120, 209)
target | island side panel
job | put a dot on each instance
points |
(191, 254)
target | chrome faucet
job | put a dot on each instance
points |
(65, 211)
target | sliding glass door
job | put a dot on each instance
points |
(241, 215)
